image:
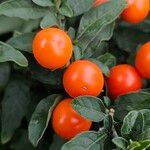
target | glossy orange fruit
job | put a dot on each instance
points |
(52, 48)
(66, 122)
(136, 11)
(83, 77)
(142, 61)
(122, 80)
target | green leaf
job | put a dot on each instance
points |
(133, 145)
(4, 74)
(49, 20)
(89, 140)
(90, 107)
(94, 20)
(29, 26)
(77, 53)
(8, 53)
(146, 114)
(102, 66)
(72, 8)
(143, 145)
(24, 9)
(43, 3)
(120, 142)
(14, 107)
(133, 125)
(104, 35)
(133, 101)
(40, 118)
(22, 42)
(107, 59)
(71, 33)
(145, 135)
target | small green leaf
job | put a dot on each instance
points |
(120, 143)
(102, 66)
(40, 118)
(133, 101)
(89, 140)
(94, 47)
(14, 107)
(44, 3)
(77, 53)
(49, 20)
(133, 125)
(66, 10)
(22, 42)
(146, 114)
(8, 53)
(133, 145)
(72, 8)
(145, 135)
(71, 33)
(142, 145)
(90, 107)
(107, 59)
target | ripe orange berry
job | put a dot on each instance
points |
(83, 77)
(52, 48)
(123, 79)
(142, 61)
(136, 11)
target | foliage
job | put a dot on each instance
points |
(29, 93)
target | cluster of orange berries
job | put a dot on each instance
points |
(53, 48)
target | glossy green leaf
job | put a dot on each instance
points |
(133, 125)
(107, 59)
(133, 101)
(102, 66)
(120, 142)
(49, 20)
(90, 107)
(40, 118)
